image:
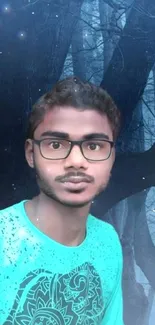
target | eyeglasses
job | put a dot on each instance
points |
(54, 149)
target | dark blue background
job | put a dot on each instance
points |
(112, 44)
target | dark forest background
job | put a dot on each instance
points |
(112, 44)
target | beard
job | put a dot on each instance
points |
(48, 190)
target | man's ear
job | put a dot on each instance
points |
(29, 152)
(113, 155)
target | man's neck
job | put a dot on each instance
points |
(66, 225)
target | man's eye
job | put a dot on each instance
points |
(94, 146)
(55, 145)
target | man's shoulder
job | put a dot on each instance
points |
(11, 208)
(106, 234)
(109, 243)
(9, 214)
(102, 226)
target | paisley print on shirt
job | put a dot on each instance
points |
(46, 298)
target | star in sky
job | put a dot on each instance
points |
(22, 35)
(6, 8)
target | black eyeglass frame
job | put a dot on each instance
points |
(73, 143)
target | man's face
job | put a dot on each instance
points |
(50, 173)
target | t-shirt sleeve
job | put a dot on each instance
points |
(114, 310)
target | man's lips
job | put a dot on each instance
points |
(75, 183)
(75, 180)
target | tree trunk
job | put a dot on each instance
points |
(154, 85)
(135, 300)
(150, 302)
(144, 247)
(105, 20)
(78, 53)
(133, 58)
(26, 68)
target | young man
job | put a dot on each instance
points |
(59, 264)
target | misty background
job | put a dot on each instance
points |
(110, 43)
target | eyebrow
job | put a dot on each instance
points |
(66, 136)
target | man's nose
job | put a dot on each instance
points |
(76, 158)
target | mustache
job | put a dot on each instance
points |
(65, 178)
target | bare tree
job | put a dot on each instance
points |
(133, 59)
(78, 53)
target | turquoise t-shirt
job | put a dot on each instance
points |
(43, 282)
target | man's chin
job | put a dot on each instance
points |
(75, 204)
(71, 198)
(76, 200)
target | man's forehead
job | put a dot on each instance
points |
(73, 122)
(71, 112)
